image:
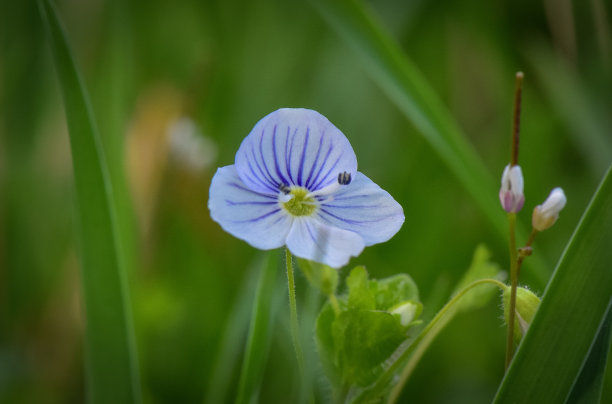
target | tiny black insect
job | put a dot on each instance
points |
(284, 188)
(344, 178)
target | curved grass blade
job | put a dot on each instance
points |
(395, 73)
(588, 386)
(553, 350)
(112, 372)
(112, 93)
(260, 330)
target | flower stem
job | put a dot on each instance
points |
(516, 122)
(528, 244)
(514, 267)
(420, 344)
(295, 329)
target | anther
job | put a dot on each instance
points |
(344, 178)
(284, 188)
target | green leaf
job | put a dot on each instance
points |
(321, 276)
(397, 288)
(589, 384)
(360, 296)
(355, 343)
(260, 331)
(232, 339)
(554, 348)
(407, 358)
(364, 339)
(328, 353)
(112, 372)
(480, 268)
(395, 73)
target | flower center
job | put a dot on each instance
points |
(300, 203)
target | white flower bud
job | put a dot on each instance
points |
(546, 214)
(511, 191)
(408, 312)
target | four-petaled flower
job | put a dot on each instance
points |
(295, 183)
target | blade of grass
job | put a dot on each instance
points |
(589, 384)
(395, 73)
(112, 371)
(234, 335)
(112, 94)
(553, 350)
(232, 340)
(259, 338)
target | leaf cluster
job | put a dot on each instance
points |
(355, 342)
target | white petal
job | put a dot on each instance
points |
(363, 208)
(294, 147)
(318, 242)
(555, 202)
(253, 217)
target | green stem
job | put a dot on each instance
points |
(513, 285)
(428, 334)
(422, 341)
(295, 328)
(516, 122)
(529, 242)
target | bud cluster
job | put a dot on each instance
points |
(512, 199)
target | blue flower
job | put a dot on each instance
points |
(295, 183)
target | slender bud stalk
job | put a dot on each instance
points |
(512, 199)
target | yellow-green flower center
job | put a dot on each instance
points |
(300, 204)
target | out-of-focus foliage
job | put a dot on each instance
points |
(220, 66)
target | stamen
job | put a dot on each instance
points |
(284, 188)
(297, 202)
(344, 178)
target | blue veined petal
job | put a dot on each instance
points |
(256, 218)
(364, 208)
(294, 147)
(316, 241)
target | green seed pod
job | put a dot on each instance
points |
(527, 303)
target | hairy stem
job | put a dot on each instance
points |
(418, 347)
(516, 122)
(514, 267)
(295, 328)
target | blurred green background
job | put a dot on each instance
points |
(176, 86)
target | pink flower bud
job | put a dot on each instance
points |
(511, 191)
(546, 214)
